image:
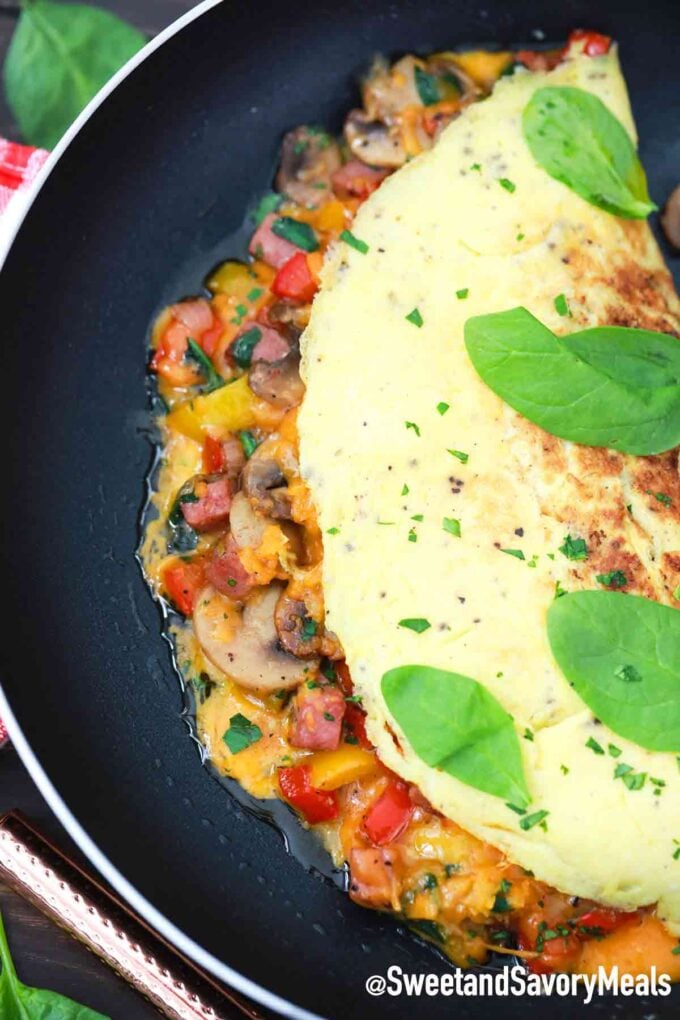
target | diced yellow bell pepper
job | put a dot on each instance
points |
(233, 278)
(483, 67)
(228, 409)
(331, 216)
(331, 769)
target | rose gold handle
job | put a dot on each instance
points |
(36, 869)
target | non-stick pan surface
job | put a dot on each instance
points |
(129, 218)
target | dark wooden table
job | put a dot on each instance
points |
(45, 956)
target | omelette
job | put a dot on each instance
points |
(343, 498)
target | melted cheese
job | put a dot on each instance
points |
(442, 224)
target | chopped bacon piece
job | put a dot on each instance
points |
(266, 245)
(225, 571)
(372, 880)
(270, 347)
(196, 315)
(318, 718)
(210, 505)
(356, 180)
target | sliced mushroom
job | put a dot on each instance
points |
(388, 90)
(278, 382)
(372, 141)
(246, 646)
(300, 632)
(309, 157)
(247, 526)
(670, 218)
(265, 485)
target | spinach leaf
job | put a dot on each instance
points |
(453, 723)
(621, 654)
(213, 379)
(59, 57)
(22, 1002)
(241, 733)
(576, 139)
(612, 387)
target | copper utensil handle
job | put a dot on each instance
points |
(32, 866)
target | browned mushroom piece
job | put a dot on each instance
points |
(372, 141)
(309, 157)
(387, 90)
(245, 645)
(300, 632)
(670, 218)
(265, 485)
(278, 382)
(290, 320)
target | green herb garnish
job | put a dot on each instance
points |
(241, 733)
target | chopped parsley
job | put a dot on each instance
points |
(308, 629)
(462, 457)
(328, 670)
(332, 531)
(354, 242)
(415, 623)
(462, 293)
(412, 535)
(520, 237)
(614, 751)
(594, 746)
(528, 735)
(508, 185)
(613, 579)
(477, 167)
(562, 305)
(405, 489)
(517, 553)
(564, 769)
(241, 733)
(418, 517)
(415, 317)
(254, 294)
(574, 548)
(663, 498)
(451, 525)
(559, 590)
(632, 780)
(412, 425)
(429, 881)
(442, 407)
(537, 818)
(295, 232)
(517, 810)
(500, 903)
(628, 673)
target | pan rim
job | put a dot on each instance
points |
(166, 928)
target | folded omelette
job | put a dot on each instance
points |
(398, 433)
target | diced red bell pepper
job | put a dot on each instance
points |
(390, 814)
(355, 726)
(315, 805)
(182, 582)
(594, 43)
(213, 456)
(295, 280)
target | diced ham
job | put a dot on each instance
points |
(318, 718)
(270, 347)
(356, 180)
(266, 245)
(226, 572)
(372, 878)
(210, 505)
(196, 315)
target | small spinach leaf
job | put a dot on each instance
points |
(59, 58)
(578, 141)
(593, 387)
(22, 1002)
(454, 724)
(213, 379)
(604, 640)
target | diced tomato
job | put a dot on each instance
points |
(372, 880)
(269, 247)
(315, 805)
(604, 920)
(389, 815)
(213, 456)
(270, 347)
(594, 43)
(318, 718)
(357, 180)
(225, 571)
(355, 725)
(182, 582)
(209, 508)
(557, 954)
(210, 339)
(295, 280)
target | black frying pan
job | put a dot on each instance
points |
(134, 212)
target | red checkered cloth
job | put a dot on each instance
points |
(19, 165)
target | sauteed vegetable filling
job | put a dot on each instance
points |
(236, 551)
